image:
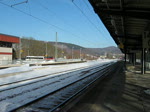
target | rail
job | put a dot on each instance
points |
(85, 77)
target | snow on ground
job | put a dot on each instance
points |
(26, 67)
(9, 98)
(15, 69)
(36, 71)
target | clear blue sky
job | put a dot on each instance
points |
(75, 22)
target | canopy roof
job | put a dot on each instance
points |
(126, 21)
(9, 38)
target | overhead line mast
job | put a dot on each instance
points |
(42, 20)
(56, 51)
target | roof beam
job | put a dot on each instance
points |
(125, 13)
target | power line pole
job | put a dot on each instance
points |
(28, 47)
(72, 52)
(80, 52)
(28, 53)
(62, 51)
(46, 49)
(56, 48)
(20, 49)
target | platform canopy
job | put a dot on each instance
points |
(126, 20)
(9, 38)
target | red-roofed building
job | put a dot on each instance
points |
(6, 42)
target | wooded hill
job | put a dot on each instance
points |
(32, 47)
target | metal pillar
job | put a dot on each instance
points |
(130, 58)
(125, 60)
(143, 61)
(125, 57)
(134, 59)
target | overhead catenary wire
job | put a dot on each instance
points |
(85, 16)
(33, 16)
(50, 11)
(29, 7)
(45, 22)
(98, 21)
(90, 10)
(46, 8)
(89, 19)
(86, 5)
(19, 3)
(95, 15)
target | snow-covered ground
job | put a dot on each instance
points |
(23, 94)
(26, 67)
(26, 72)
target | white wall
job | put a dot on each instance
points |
(4, 55)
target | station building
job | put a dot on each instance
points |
(6, 50)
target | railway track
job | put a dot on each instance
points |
(62, 87)
(24, 82)
(52, 75)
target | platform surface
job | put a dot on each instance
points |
(120, 92)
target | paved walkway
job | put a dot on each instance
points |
(120, 92)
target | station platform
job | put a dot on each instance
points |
(55, 63)
(8, 66)
(41, 64)
(122, 91)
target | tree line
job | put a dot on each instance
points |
(29, 46)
